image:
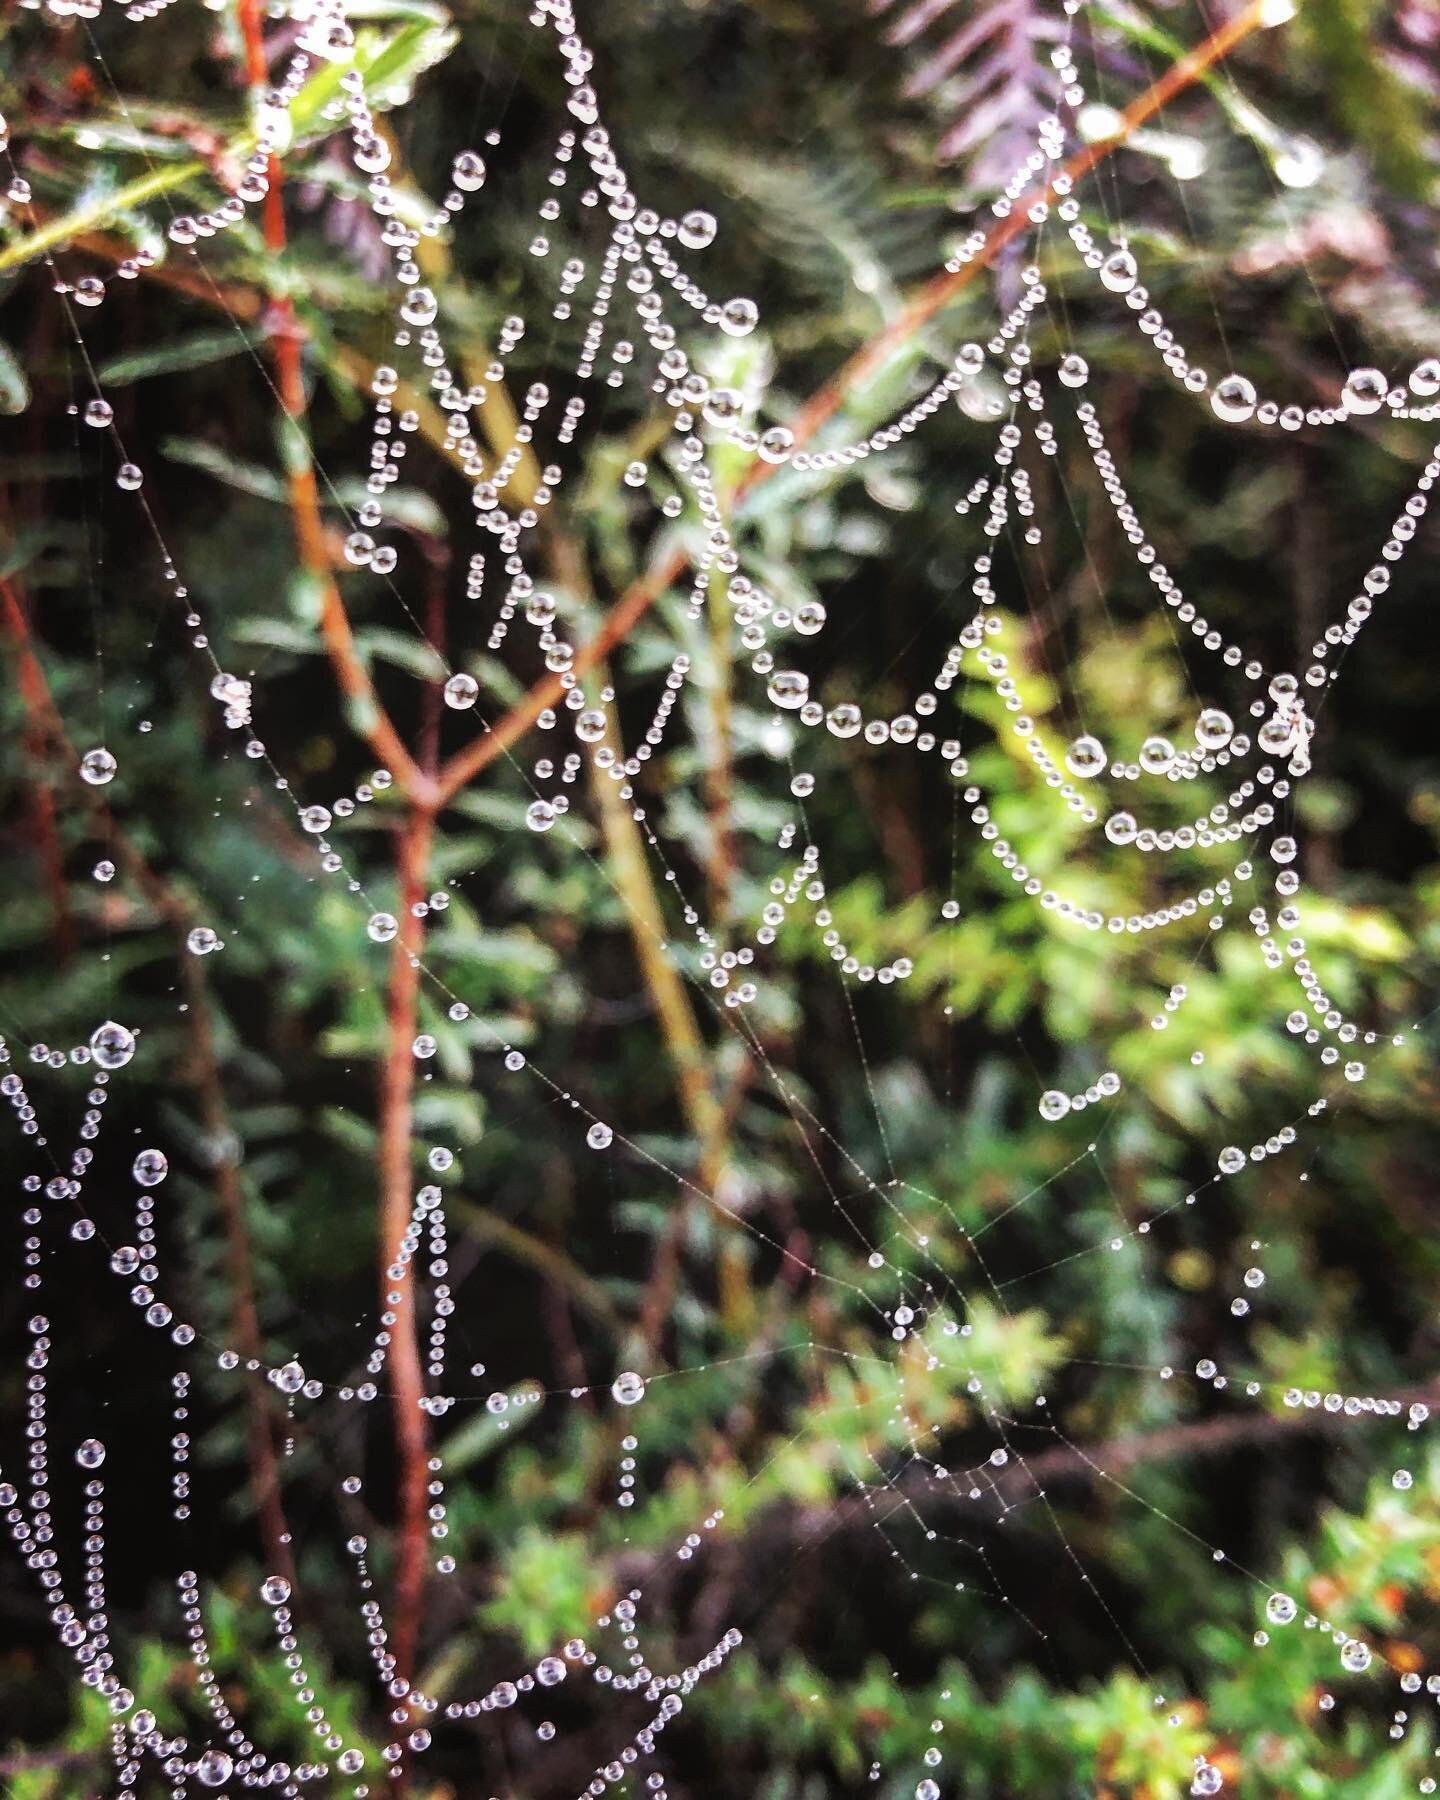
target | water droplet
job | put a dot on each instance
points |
(739, 317)
(696, 230)
(1233, 399)
(468, 171)
(112, 1045)
(1074, 371)
(214, 1769)
(1086, 758)
(150, 1168)
(1364, 391)
(1119, 272)
(97, 767)
(1356, 1656)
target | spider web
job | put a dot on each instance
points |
(908, 1295)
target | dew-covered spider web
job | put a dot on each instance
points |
(536, 947)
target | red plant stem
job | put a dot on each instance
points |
(397, 1089)
(39, 732)
(397, 1076)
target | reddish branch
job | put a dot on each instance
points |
(414, 838)
(397, 1089)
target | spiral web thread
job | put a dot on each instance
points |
(646, 323)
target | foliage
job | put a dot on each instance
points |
(773, 1401)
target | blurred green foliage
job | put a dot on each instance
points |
(1039, 1633)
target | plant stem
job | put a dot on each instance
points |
(416, 834)
(397, 1089)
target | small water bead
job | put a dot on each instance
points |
(129, 477)
(275, 1590)
(1214, 729)
(1074, 371)
(1356, 1656)
(424, 1046)
(91, 1454)
(1401, 1480)
(1119, 272)
(99, 414)
(1233, 399)
(104, 871)
(468, 171)
(550, 1671)
(739, 317)
(419, 307)
(461, 691)
(810, 617)
(1254, 1278)
(1122, 828)
(290, 1378)
(441, 1158)
(98, 766)
(776, 444)
(1364, 391)
(201, 941)
(789, 689)
(540, 815)
(1208, 1780)
(1054, 1105)
(1231, 1159)
(845, 720)
(214, 1769)
(599, 1136)
(1280, 1609)
(315, 819)
(628, 1387)
(1086, 758)
(696, 231)
(150, 1168)
(927, 1789)
(1425, 378)
(380, 927)
(112, 1045)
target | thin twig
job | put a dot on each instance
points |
(413, 842)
